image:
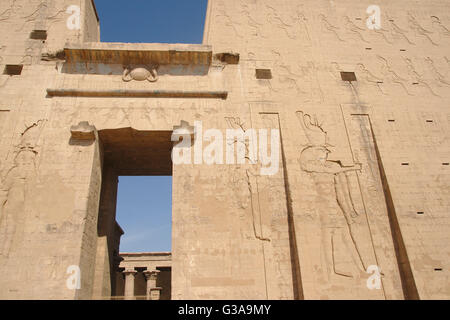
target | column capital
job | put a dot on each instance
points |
(151, 274)
(129, 271)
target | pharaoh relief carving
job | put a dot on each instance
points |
(344, 234)
(140, 73)
(246, 186)
(14, 182)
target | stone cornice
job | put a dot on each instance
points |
(139, 53)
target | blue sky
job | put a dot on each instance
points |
(144, 204)
(165, 21)
(144, 211)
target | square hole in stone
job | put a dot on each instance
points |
(13, 69)
(38, 35)
(263, 74)
(348, 76)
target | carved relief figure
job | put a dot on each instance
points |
(353, 29)
(245, 178)
(416, 77)
(391, 75)
(140, 73)
(274, 18)
(287, 78)
(223, 18)
(303, 26)
(251, 21)
(329, 27)
(442, 30)
(340, 221)
(370, 77)
(14, 188)
(419, 30)
(398, 32)
(437, 76)
(384, 32)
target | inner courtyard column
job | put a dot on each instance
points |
(129, 283)
(153, 292)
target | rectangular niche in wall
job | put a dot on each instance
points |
(38, 35)
(13, 69)
(263, 74)
(348, 76)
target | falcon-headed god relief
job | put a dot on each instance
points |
(343, 238)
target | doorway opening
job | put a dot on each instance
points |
(133, 259)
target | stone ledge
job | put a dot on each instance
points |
(137, 93)
(139, 53)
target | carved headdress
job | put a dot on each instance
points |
(313, 130)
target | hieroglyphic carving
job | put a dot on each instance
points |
(295, 26)
(383, 32)
(417, 78)
(437, 76)
(398, 32)
(370, 77)
(274, 18)
(437, 25)
(330, 28)
(225, 19)
(353, 29)
(299, 77)
(419, 30)
(252, 22)
(286, 77)
(391, 75)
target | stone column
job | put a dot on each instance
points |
(153, 292)
(129, 283)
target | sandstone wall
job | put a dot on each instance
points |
(309, 231)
